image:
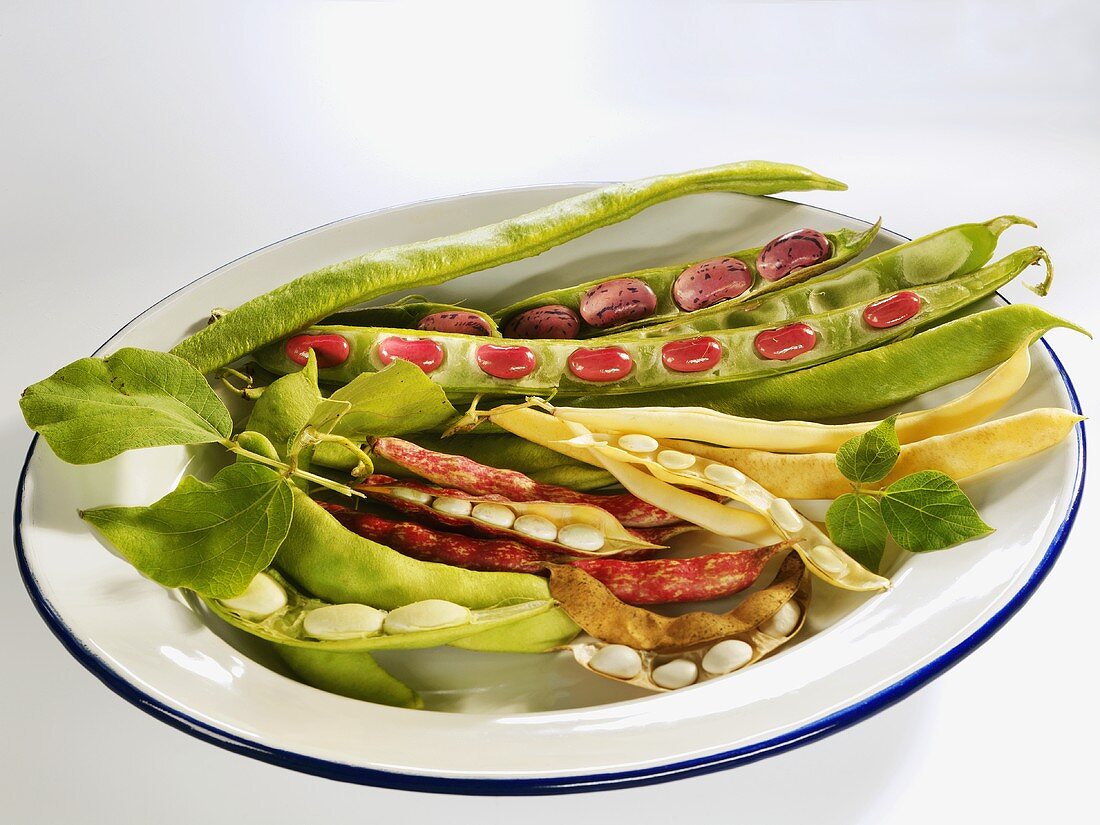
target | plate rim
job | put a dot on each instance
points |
(522, 786)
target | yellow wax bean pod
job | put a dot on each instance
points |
(819, 552)
(711, 515)
(702, 424)
(959, 455)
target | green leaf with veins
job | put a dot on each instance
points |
(870, 456)
(928, 511)
(397, 400)
(97, 408)
(210, 537)
(286, 406)
(855, 525)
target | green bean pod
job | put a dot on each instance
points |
(661, 283)
(311, 297)
(931, 259)
(355, 675)
(290, 624)
(626, 364)
(416, 312)
(870, 380)
(322, 557)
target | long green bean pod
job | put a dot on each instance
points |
(309, 298)
(467, 365)
(934, 258)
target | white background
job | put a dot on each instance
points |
(143, 144)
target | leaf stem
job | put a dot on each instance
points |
(310, 435)
(327, 483)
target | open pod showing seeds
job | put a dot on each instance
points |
(551, 527)
(273, 609)
(639, 647)
(675, 467)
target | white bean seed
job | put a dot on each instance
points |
(784, 621)
(675, 460)
(536, 527)
(260, 599)
(343, 621)
(784, 515)
(495, 514)
(581, 537)
(408, 494)
(727, 656)
(675, 674)
(724, 474)
(619, 661)
(638, 443)
(426, 615)
(827, 559)
(453, 506)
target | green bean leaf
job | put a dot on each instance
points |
(870, 456)
(398, 399)
(286, 406)
(212, 537)
(856, 526)
(928, 511)
(97, 408)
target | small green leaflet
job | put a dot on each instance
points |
(210, 537)
(286, 406)
(927, 511)
(870, 456)
(855, 524)
(97, 408)
(397, 400)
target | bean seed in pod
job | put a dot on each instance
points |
(804, 247)
(343, 621)
(261, 598)
(554, 321)
(619, 661)
(617, 302)
(425, 615)
(675, 674)
(506, 362)
(784, 515)
(783, 622)
(825, 558)
(536, 527)
(464, 323)
(581, 537)
(692, 355)
(331, 350)
(424, 352)
(710, 282)
(409, 494)
(495, 514)
(675, 460)
(726, 657)
(785, 343)
(638, 442)
(892, 310)
(452, 506)
(602, 365)
(724, 474)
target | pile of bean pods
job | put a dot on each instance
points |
(614, 422)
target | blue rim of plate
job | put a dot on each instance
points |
(529, 786)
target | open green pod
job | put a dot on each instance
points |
(416, 312)
(273, 609)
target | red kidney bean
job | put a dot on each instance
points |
(792, 251)
(892, 310)
(466, 474)
(710, 282)
(465, 323)
(692, 355)
(554, 321)
(331, 350)
(669, 581)
(603, 364)
(653, 581)
(617, 301)
(424, 352)
(785, 343)
(506, 362)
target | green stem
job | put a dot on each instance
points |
(288, 470)
(366, 463)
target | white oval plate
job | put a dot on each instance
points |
(531, 724)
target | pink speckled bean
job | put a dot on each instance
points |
(617, 301)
